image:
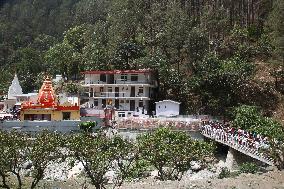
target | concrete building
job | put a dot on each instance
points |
(128, 91)
(30, 97)
(49, 108)
(167, 108)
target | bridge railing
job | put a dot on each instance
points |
(154, 123)
(239, 142)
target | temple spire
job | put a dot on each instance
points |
(15, 88)
(46, 94)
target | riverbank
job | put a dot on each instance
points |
(269, 180)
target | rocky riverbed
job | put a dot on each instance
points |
(59, 177)
(269, 180)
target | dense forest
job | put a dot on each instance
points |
(211, 55)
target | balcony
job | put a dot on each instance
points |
(120, 82)
(120, 95)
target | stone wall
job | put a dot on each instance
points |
(36, 126)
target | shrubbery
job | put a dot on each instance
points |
(249, 168)
(225, 173)
(171, 152)
(88, 126)
(168, 151)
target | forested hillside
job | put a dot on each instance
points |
(211, 55)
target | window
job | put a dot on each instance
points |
(140, 103)
(66, 115)
(96, 102)
(103, 77)
(134, 77)
(123, 77)
(101, 89)
(140, 90)
(121, 114)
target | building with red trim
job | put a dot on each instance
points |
(48, 107)
(127, 91)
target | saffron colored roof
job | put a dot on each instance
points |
(47, 99)
(46, 95)
(117, 71)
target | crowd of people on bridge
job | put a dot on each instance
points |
(249, 141)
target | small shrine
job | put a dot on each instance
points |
(48, 107)
(14, 90)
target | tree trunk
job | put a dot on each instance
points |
(19, 179)
(4, 181)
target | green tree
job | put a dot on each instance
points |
(95, 155)
(125, 55)
(12, 146)
(95, 53)
(90, 12)
(220, 82)
(250, 119)
(196, 47)
(275, 30)
(126, 156)
(28, 63)
(165, 150)
(60, 56)
(43, 151)
(20, 149)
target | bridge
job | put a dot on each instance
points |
(222, 137)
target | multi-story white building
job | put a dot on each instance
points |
(128, 91)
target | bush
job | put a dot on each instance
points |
(249, 168)
(225, 173)
(88, 126)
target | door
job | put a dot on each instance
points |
(132, 105)
(111, 79)
(132, 92)
(103, 103)
(116, 104)
(116, 91)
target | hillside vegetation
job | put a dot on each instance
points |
(211, 55)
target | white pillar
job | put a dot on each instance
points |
(230, 159)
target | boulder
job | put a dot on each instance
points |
(195, 166)
(27, 165)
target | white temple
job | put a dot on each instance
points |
(15, 88)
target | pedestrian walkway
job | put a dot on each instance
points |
(239, 140)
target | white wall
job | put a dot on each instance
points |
(141, 78)
(92, 78)
(95, 78)
(166, 108)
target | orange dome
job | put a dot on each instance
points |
(46, 96)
